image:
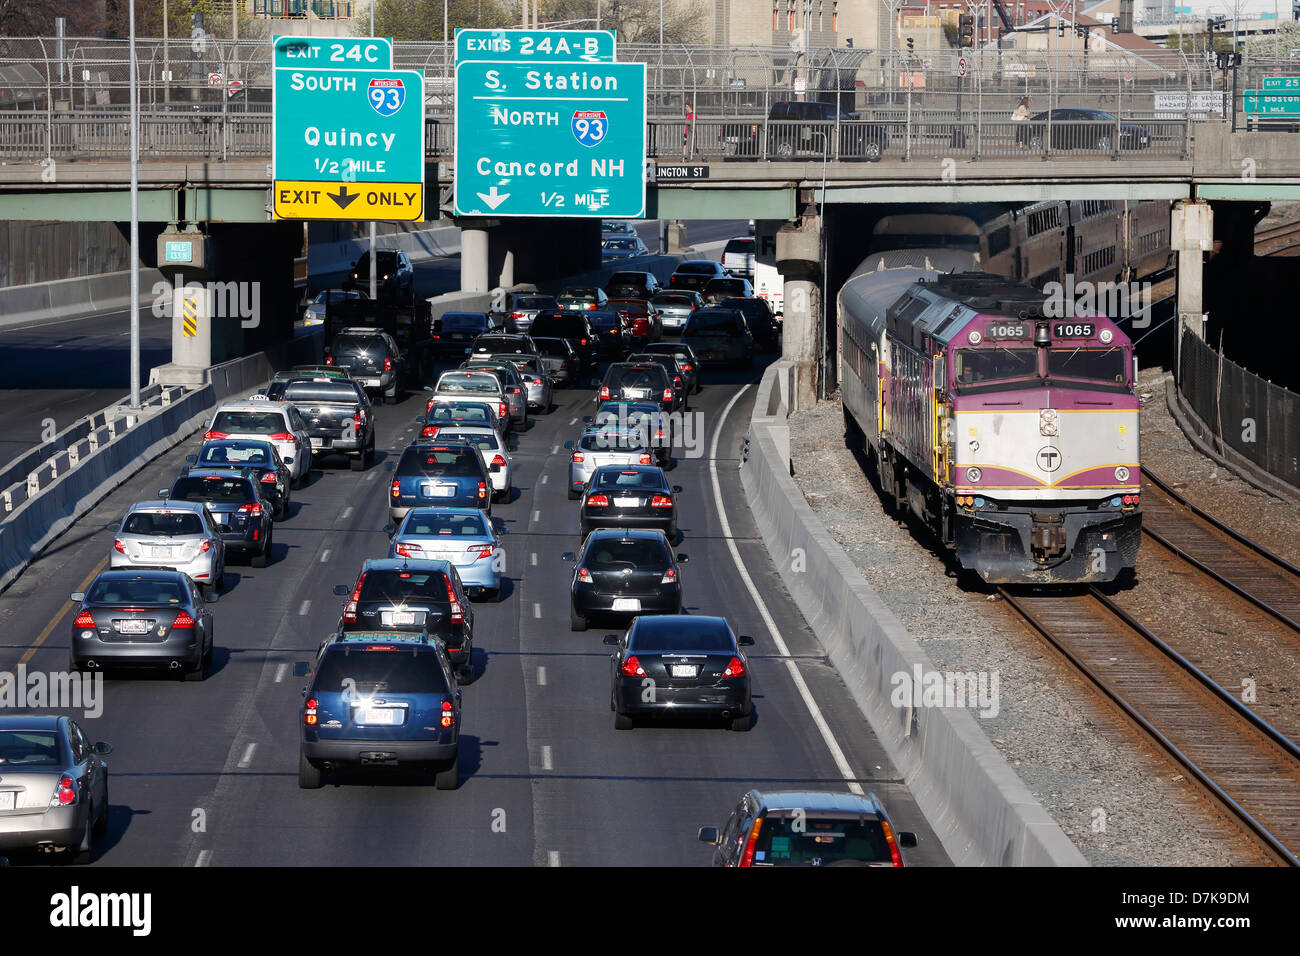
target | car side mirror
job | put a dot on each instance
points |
(164, 492)
(419, 419)
(103, 748)
(677, 489)
(568, 556)
(192, 459)
(288, 461)
(907, 839)
(683, 558)
(224, 528)
(610, 639)
(428, 388)
(212, 598)
(301, 669)
(341, 590)
(390, 529)
(746, 641)
(586, 419)
(261, 391)
(708, 835)
(568, 445)
(77, 596)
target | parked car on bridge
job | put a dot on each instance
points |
(807, 130)
(1085, 129)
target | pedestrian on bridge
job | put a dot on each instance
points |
(1021, 115)
(686, 135)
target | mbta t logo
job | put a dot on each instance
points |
(1049, 459)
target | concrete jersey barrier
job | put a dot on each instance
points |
(982, 812)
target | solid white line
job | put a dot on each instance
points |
(280, 672)
(324, 555)
(346, 513)
(537, 609)
(552, 857)
(306, 606)
(837, 754)
(247, 759)
(546, 758)
(541, 676)
(204, 856)
(534, 559)
(545, 478)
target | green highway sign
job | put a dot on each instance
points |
(550, 139)
(348, 144)
(589, 46)
(1271, 104)
(335, 53)
(1282, 83)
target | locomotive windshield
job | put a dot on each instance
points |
(1098, 365)
(977, 366)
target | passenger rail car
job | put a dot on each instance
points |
(1013, 436)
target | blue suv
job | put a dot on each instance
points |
(381, 699)
(439, 474)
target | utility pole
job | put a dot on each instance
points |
(135, 221)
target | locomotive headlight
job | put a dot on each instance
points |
(973, 475)
(1047, 428)
(1048, 414)
(974, 446)
(1121, 473)
(974, 337)
(1106, 335)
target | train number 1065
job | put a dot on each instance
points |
(1080, 330)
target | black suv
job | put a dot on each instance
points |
(804, 130)
(575, 328)
(764, 325)
(394, 272)
(372, 358)
(632, 285)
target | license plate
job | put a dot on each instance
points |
(317, 442)
(683, 670)
(160, 552)
(627, 604)
(440, 491)
(8, 799)
(387, 716)
(132, 627)
(391, 618)
(627, 502)
(636, 393)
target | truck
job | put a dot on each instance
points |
(405, 318)
(339, 418)
(768, 283)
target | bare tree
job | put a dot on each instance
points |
(422, 19)
(633, 21)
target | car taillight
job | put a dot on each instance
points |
(668, 394)
(65, 794)
(686, 368)
(577, 456)
(893, 844)
(501, 409)
(590, 305)
(282, 436)
(183, 619)
(84, 619)
(215, 436)
(397, 489)
(388, 364)
(632, 667)
(516, 315)
(735, 668)
(428, 406)
(644, 460)
(584, 342)
(268, 478)
(329, 360)
(309, 712)
(516, 390)
(253, 509)
(428, 431)
(604, 391)
(357, 417)
(457, 614)
(409, 550)
(350, 609)
(748, 858)
(448, 718)
(670, 577)
(205, 547)
(117, 546)
(498, 461)
(584, 576)
(661, 501)
(481, 551)
(598, 501)
(482, 489)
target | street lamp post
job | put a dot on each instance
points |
(135, 221)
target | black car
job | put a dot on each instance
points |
(257, 459)
(692, 665)
(394, 272)
(807, 828)
(372, 358)
(613, 332)
(673, 367)
(339, 417)
(413, 594)
(640, 382)
(236, 502)
(624, 571)
(694, 274)
(762, 322)
(495, 342)
(686, 361)
(1084, 129)
(629, 496)
(380, 700)
(632, 285)
(806, 129)
(142, 618)
(454, 333)
(560, 360)
(575, 328)
(720, 337)
(732, 287)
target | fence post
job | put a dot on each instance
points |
(49, 104)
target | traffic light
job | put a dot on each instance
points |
(910, 44)
(966, 30)
(1060, 28)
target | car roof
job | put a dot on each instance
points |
(197, 507)
(223, 473)
(477, 315)
(472, 372)
(430, 509)
(261, 405)
(31, 722)
(613, 404)
(468, 430)
(407, 564)
(626, 534)
(139, 574)
(658, 624)
(637, 468)
(819, 801)
(238, 443)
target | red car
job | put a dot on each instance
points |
(644, 319)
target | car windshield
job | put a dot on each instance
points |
(480, 440)
(620, 243)
(697, 268)
(163, 524)
(750, 308)
(118, 591)
(438, 461)
(252, 423)
(556, 348)
(449, 524)
(29, 748)
(456, 322)
(683, 637)
(705, 321)
(397, 585)
(644, 377)
(806, 840)
(739, 245)
(359, 343)
(235, 455)
(402, 670)
(646, 554)
(725, 286)
(975, 366)
(615, 479)
(603, 320)
(522, 364)
(499, 343)
(469, 383)
(467, 414)
(578, 292)
(560, 326)
(676, 299)
(1098, 365)
(213, 488)
(534, 302)
(306, 393)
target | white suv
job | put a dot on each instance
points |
(276, 422)
(738, 256)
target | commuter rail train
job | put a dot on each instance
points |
(1012, 435)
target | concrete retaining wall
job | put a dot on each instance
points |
(331, 257)
(983, 814)
(69, 298)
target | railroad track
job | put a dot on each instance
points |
(1283, 240)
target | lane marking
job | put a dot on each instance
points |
(541, 676)
(554, 449)
(533, 559)
(552, 857)
(247, 759)
(306, 606)
(280, 671)
(545, 478)
(347, 513)
(6, 676)
(537, 516)
(546, 757)
(573, 421)
(371, 476)
(537, 610)
(837, 754)
(203, 858)
(324, 555)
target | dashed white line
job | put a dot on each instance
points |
(837, 754)
(533, 559)
(541, 676)
(324, 555)
(546, 758)
(204, 856)
(552, 857)
(371, 475)
(537, 610)
(247, 759)
(537, 516)
(304, 608)
(573, 421)
(347, 513)
(545, 478)
(554, 449)
(280, 671)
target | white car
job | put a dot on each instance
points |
(276, 422)
(460, 383)
(491, 446)
(182, 535)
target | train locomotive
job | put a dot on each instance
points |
(1011, 434)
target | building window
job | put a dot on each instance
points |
(791, 26)
(776, 23)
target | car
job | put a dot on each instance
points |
(605, 446)
(524, 306)
(647, 417)
(694, 663)
(450, 475)
(738, 256)
(673, 366)
(694, 274)
(463, 536)
(1084, 129)
(574, 328)
(560, 361)
(538, 386)
(455, 332)
(720, 337)
(151, 617)
(51, 755)
(616, 227)
(380, 700)
(441, 413)
(315, 371)
(339, 418)
(729, 288)
(765, 326)
(512, 384)
(675, 307)
(629, 496)
(461, 384)
(258, 459)
(181, 535)
(623, 571)
(276, 422)
(491, 447)
(235, 502)
(395, 274)
(314, 314)
(280, 380)
(623, 247)
(632, 285)
(494, 343)
(686, 361)
(405, 593)
(613, 334)
(576, 298)
(807, 828)
(644, 320)
(806, 129)
(638, 382)
(372, 357)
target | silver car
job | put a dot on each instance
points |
(675, 307)
(511, 382)
(491, 446)
(462, 536)
(279, 423)
(605, 446)
(181, 535)
(53, 786)
(525, 307)
(538, 385)
(468, 383)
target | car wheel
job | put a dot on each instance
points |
(208, 590)
(785, 149)
(465, 675)
(358, 461)
(370, 455)
(73, 666)
(310, 776)
(195, 674)
(1036, 142)
(262, 559)
(576, 621)
(207, 655)
(391, 396)
(872, 151)
(740, 724)
(448, 778)
(85, 850)
(622, 721)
